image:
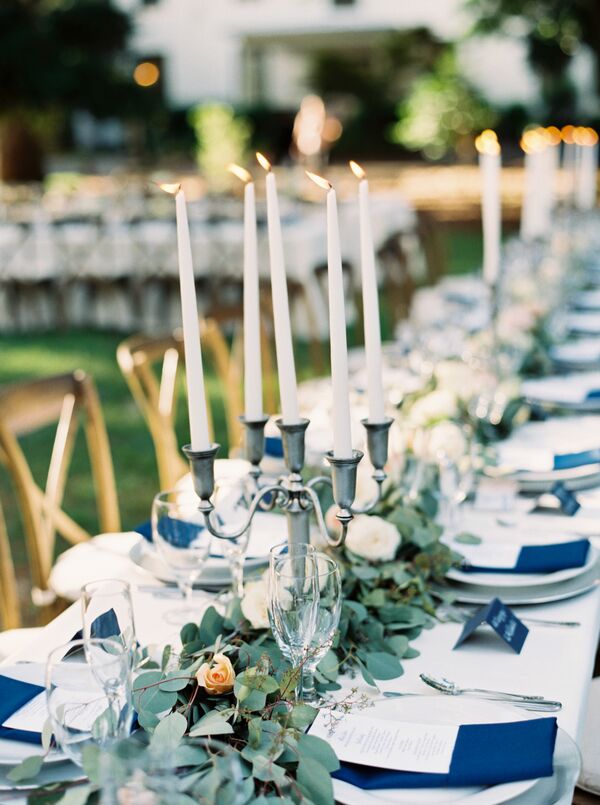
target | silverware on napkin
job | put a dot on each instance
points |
(518, 699)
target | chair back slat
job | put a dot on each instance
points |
(151, 366)
(41, 509)
(10, 610)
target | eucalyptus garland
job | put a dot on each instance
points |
(229, 680)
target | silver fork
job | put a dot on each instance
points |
(519, 699)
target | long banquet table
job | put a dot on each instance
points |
(555, 662)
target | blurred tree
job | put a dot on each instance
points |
(221, 138)
(368, 81)
(55, 56)
(554, 30)
(441, 111)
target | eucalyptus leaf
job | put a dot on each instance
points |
(28, 768)
(467, 539)
(315, 782)
(383, 666)
(309, 746)
(168, 733)
(212, 723)
(211, 626)
(175, 681)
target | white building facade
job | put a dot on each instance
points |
(245, 51)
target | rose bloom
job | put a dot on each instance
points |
(373, 538)
(434, 407)
(444, 440)
(217, 676)
(254, 604)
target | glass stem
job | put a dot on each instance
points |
(308, 684)
(236, 564)
(187, 589)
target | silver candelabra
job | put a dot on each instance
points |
(290, 493)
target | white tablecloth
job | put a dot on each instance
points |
(555, 662)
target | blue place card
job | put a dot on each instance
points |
(567, 500)
(502, 620)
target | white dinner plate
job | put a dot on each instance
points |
(267, 530)
(13, 752)
(439, 710)
(56, 773)
(522, 579)
(549, 790)
(540, 594)
(584, 477)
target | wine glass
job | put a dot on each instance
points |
(328, 618)
(183, 542)
(231, 502)
(293, 598)
(88, 694)
(108, 611)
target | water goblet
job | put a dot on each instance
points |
(88, 694)
(183, 542)
(293, 600)
(328, 618)
(108, 611)
(231, 502)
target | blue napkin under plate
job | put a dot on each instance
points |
(485, 754)
(543, 558)
(179, 533)
(567, 461)
(15, 694)
(274, 446)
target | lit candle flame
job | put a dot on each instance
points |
(319, 180)
(585, 136)
(171, 188)
(241, 173)
(487, 142)
(567, 134)
(534, 140)
(263, 161)
(357, 170)
(553, 135)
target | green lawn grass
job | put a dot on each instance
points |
(34, 355)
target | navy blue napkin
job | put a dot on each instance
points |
(177, 532)
(567, 461)
(485, 754)
(543, 558)
(274, 446)
(15, 694)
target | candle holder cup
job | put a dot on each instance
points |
(295, 497)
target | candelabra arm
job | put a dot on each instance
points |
(331, 541)
(379, 478)
(207, 510)
(320, 479)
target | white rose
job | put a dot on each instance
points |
(446, 440)
(254, 604)
(372, 538)
(434, 407)
(460, 379)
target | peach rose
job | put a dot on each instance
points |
(216, 676)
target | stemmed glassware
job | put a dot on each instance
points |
(293, 602)
(183, 542)
(328, 618)
(108, 611)
(88, 693)
(231, 501)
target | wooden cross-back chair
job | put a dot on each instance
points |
(10, 606)
(27, 407)
(150, 366)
